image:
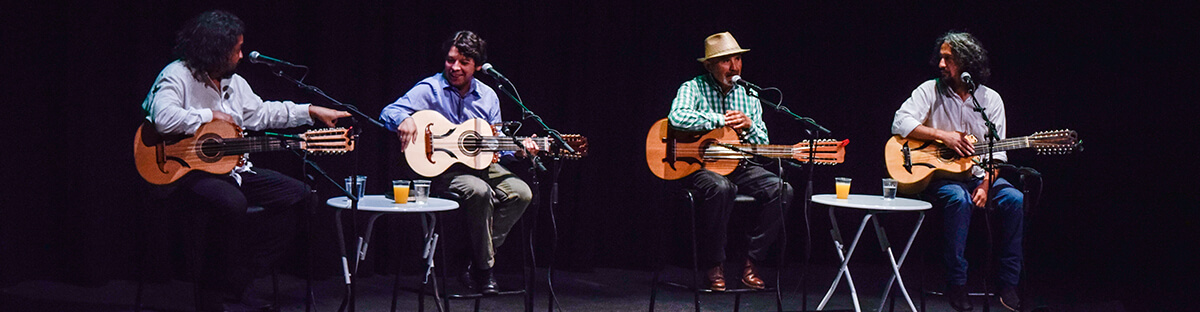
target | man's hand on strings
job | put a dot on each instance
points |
(407, 132)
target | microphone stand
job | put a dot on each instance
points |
(348, 300)
(808, 187)
(989, 168)
(311, 297)
(527, 114)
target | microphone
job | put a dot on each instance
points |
(966, 78)
(258, 58)
(737, 79)
(487, 68)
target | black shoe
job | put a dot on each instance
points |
(957, 295)
(485, 282)
(1009, 298)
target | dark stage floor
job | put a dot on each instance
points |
(599, 290)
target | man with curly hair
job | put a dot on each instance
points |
(201, 87)
(493, 199)
(942, 110)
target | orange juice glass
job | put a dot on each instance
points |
(842, 186)
(400, 190)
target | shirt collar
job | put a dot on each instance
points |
(446, 85)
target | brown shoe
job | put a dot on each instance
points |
(716, 278)
(750, 276)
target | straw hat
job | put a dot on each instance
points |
(719, 45)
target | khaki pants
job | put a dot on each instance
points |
(492, 203)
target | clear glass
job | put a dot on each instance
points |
(889, 189)
(420, 191)
(357, 190)
(842, 186)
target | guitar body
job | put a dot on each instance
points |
(673, 154)
(163, 159)
(914, 162)
(927, 161)
(441, 144)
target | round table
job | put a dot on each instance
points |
(873, 205)
(378, 205)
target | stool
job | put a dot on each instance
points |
(1029, 182)
(689, 197)
(253, 213)
(477, 297)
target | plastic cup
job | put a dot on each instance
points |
(842, 186)
(420, 191)
(356, 188)
(889, 189)
(400, 191)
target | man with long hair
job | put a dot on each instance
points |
(941, 109)
(493, 199)
(201, 87)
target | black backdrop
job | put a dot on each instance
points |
(1117, 219)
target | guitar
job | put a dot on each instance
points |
(218, 146)
(673, 154)
(441, 144)
(913, 162)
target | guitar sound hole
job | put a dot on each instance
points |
(471, 143)
(211, 148)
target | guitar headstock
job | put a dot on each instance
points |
(1055, 142)
(823, 152)
(577, 142)
(328, 141)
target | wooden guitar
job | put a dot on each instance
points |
(218, 146)
(441, 144)
(673, 154)
(913, 162)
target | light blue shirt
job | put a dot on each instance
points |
(435, 93)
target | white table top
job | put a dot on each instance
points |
(378, 203)
(872, 202)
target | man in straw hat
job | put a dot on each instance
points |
(711, 101)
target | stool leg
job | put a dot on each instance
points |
(695, 254)
(653, 290)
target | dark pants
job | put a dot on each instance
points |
(716, 203)
(214, 221)
(955, 197)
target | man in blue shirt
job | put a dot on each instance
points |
(494, 198)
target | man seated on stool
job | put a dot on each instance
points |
(494, 198)
(711, 101)
(201, 87)
(942, 110)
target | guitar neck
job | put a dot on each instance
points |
(1002, 145)
(232, 146)
(505, 143)
(741, 151)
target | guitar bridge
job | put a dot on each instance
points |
(907, 157)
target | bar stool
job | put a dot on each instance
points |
(689, 197)
(1029, 182)
(255, 215)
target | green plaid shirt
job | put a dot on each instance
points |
(700, 106)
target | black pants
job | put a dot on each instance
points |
(716, 203)
(214, 215)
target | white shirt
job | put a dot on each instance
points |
(948, 111)
(179, 104)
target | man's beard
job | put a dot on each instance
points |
(225, 72)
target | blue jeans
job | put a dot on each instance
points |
(955, 197)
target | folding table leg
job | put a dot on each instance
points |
(845, 269)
